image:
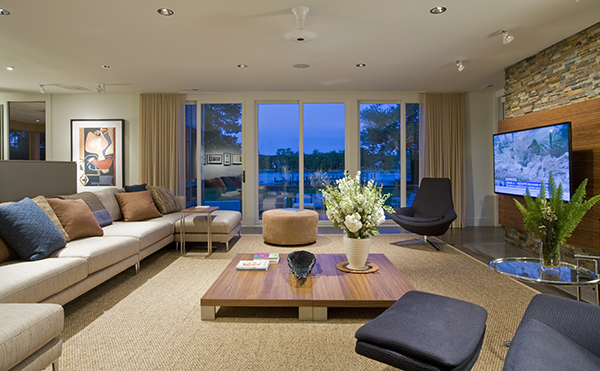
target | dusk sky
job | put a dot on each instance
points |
(278, 127)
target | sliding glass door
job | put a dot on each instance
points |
(385, 144)
(300, 146)
(221, 155)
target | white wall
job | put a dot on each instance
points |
(479, 163)
(96, 106)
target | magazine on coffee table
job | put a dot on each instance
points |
(253, 265)
(273, 257)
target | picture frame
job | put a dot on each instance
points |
(226, 159)
(97, 148)
(214, 159)
(236, 159)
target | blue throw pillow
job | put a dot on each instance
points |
(29, 230)
(103, 217)
(135, 188)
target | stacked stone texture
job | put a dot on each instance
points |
(567, 72)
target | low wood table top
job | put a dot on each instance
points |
(325, 287)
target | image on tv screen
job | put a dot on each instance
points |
(524, 159)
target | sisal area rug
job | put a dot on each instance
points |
(151, 321)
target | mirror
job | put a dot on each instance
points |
(27, 130)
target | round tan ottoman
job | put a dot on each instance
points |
(290, 227)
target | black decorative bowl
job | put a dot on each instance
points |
(301, 262)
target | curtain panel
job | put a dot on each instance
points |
(443, 123)
(162, 139)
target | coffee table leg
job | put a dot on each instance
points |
(319, 313)
(305, 313)
(208, 313)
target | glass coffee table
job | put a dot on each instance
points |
(529, 270)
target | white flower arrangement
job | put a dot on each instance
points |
(354, 207)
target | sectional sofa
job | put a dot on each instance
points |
(113, 229)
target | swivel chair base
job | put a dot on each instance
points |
(422, 239)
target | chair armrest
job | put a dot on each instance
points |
(405, 211)
(576, 320)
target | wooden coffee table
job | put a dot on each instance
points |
(325, 287)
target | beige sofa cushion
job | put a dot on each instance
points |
(33, 281)
(148, 232)
(223, 221)
(25, 328)
(108, 199)
(100, 252)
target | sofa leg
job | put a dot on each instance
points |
(227, 245)
(55, 365)
(137, 267)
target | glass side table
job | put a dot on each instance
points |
(529, 270)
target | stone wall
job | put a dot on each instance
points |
(567, 72)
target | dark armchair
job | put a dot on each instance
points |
(432, 211)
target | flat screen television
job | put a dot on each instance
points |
(524, 159)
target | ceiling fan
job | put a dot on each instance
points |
(301, 35)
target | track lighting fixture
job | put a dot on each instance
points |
(43, 89)
(101, 88)
(460, 66)
(506, 37)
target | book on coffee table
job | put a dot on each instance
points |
(253, 265)
(273, 257)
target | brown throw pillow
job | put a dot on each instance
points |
(164, 199)
(41, 202)
(6, 252)
(137, 205)
(76, 218)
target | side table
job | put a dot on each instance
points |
(196, 210)
(529, 270)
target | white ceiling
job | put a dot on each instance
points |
(404, 47)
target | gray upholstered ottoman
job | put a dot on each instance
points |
(423, 331)
(290, 227)
(29, 336)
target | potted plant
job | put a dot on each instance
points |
(357, 209)
(553, 220)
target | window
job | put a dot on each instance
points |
(381, 146)
(191, 154)
(288, 179)
(222, 156)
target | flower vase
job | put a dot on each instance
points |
(357, 252)
(550, 256)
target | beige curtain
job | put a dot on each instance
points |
(162, 141)
(443, 123)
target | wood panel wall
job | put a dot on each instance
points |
(585, 126)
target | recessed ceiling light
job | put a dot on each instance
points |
(361, 65)
(107, 67)
(242, 66)
(301, 65)
(4, 12)
(438, 10)
(165, 11)
(10, 68)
